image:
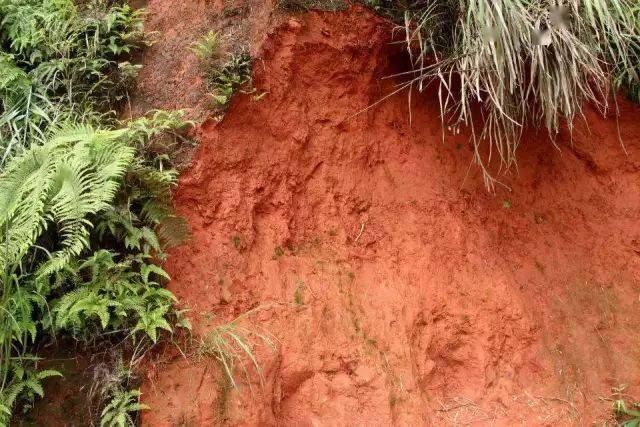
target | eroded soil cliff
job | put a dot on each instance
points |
(398, 290)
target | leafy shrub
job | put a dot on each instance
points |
(117, 412)
(228, 78)
(60, 226)
(524, 63)
(60, 61)
(207, 47)
(85, 201)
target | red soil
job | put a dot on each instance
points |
(399, 291)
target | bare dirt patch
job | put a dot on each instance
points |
(399, 290)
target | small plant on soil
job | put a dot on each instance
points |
(26, 384)
(627, 414)
(298, 295)
(207, 48)
(230, 77)
(231, 344)
(224, 77)
(113, 389)
(277, 252)
(118, 411)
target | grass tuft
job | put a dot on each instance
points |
(232, 345)
(500, 66)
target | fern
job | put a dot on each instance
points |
(62, 204)
(121, 295)
(85, 200)
(62, 182)
(61, 62)
(48, 192)
(206, 48)
(231, 76)
(25, 382)
(118, 412)
(142, 216)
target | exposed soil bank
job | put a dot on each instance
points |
(399, 291)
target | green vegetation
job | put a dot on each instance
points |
(85, 200)
(25, 383)
(207, 48)
(627, 416)
(118, 411)
(224, 76)
(79, 243)
(277, 252)
(229, 77)
(501, 66)
(61, 62)
(298, 295)
(231, 344)
(307, 5)
(112, 389)
(627, 78)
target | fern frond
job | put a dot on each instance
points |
(74, 175)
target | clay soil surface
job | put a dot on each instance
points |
(397, 290)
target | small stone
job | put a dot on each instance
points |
(294, 25)
(225, 295)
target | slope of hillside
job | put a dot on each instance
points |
(399, 290)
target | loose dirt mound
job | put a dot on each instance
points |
(399, 290)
